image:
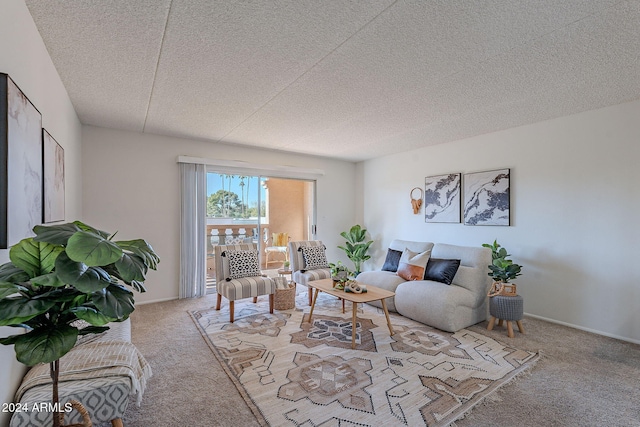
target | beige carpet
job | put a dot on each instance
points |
(292, 372)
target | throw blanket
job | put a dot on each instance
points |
(98, 359)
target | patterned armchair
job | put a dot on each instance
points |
(308, 262)
(238, 275)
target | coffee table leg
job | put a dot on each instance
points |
(386, 313)
(354, 324)
(315, 297)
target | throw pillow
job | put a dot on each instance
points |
(242, 263)
(279, 239)
(314, 257)
(441, 270)
(392, 260)
(412, 265)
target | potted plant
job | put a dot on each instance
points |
(355, 247)
(66, 273)
(503, 270)
(339, 274)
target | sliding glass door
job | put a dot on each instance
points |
(250, 209)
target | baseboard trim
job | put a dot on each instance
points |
(582, 328)
(155, 300)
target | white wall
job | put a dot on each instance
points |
(574, 207)
(131, 184)
(24, 57)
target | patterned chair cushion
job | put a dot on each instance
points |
(314, 257)
(311, 275)
(246, 287)
(242, 263)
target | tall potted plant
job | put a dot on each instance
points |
(355, 247)
(66, 273)
(503, 270)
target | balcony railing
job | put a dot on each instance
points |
(231, 234)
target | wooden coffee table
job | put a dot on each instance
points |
(373, 294)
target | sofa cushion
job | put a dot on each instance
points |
(441, 270)
(412, 265)
(382, 279)
(392, 260)
(401, 245)
(314, 257)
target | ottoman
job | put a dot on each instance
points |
(506, 308)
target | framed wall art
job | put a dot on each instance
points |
(20, 164)
(53, 155)
(487, 198)
(442, 198)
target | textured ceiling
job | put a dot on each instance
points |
(346, 79)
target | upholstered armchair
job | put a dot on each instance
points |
(238, 275)
(308, 262)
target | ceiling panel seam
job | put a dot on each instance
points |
(307, 71)
(155, 71)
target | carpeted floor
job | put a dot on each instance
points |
(583, 379)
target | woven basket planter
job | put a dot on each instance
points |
(285, 299)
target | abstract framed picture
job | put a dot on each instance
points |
(53, 155)
(487, 198)
(21, 177)
(442, 198)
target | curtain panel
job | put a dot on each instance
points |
(193, 179)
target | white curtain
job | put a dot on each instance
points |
(193, 178)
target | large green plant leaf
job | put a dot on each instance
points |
(35, 258)
(13, 274)
(141, 248)
(18, 310)
(55, 234)
(92, 249)
(7, 289)
(50, 280)
(91, 315)
(115, 302)
(45, 345)
(131, 267)
(60, 295)
(84, 278)
(85, 227)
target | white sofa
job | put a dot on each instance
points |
(449, 307)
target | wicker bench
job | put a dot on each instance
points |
(105, 398)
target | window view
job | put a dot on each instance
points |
(234, 196)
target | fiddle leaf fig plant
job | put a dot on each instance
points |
(355, 246)
(64, 274)
(502, 269)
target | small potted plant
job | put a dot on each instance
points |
(503, 270)
(355, 247)
(339, 273)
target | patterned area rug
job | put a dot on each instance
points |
(295, 373)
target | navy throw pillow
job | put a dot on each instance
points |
(441, 270)
(393, 258)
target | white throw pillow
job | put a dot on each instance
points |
(412, 265)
